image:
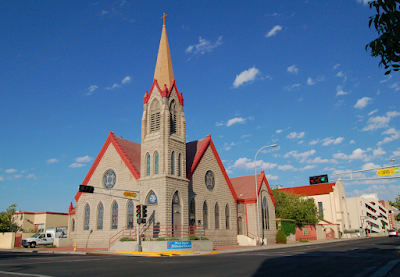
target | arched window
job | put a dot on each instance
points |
(172, 116)
(265, 214)
(87, 217)
(114, 216)
(152, 199)
(216, 216)
(172, 163)
(192, 212)
(100, 212)
(156, 163)
(179, 165)
(205, 215)
(148, 164)
(155, 116)
(130, 214)
(227, 216)
(73, 224)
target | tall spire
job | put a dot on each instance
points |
(163, 72)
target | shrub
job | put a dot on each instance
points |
(127, 239)
(281, 237)
(50, 246)
(303, 240)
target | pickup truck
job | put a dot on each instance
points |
(38, 239)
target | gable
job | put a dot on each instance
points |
(164, 92)
(128, 151)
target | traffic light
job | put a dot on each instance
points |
(139, 211)
(318, 179)
(144, 211)
(88, 189)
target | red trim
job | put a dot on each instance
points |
(110, 139)
(165, 92)
(208, 142)
(41, 213)
(247, 223)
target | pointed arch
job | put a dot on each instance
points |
(216, 213)
(179, 165)
(147, 164)
(227, 216)
(172, 163)
(151, 198)
(73, 224)
(205, 215)
(114, 215)
(130, 214)
(100, 213)
(156, 162)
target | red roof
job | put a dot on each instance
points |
(311, 189)
(244, 187)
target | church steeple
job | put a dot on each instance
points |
(164, 73)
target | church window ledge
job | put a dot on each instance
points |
(152, 137)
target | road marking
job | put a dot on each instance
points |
(63, 261)
(385, 269)
(24, 274)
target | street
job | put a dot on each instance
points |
(360, 257)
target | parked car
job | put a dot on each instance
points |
(38, 239)
(392, 233)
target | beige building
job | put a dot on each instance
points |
(39, 222)
(330, 199)
(184, 185)
(368, 214)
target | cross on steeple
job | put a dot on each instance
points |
(163, 17)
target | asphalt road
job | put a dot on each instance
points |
(363, 257)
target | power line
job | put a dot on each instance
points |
(67, 43)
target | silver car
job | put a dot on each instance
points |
(392, 233)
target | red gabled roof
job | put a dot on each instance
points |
(165, 92)
(195, 151)
(311, 189)
(245, 187)
(129, 152)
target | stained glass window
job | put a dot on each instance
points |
(130, 214)
(156, 163)
(152, 198)
(179, 165)
(210, 180)
(172, 113)
(100, 213)
(216, 216)
(148, 164)
(114, 216)
(87, 217)
(205, 215)
(227, 217)
(109, 179)
(73, 224)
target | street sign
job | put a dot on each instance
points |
(130, 194)
(388, 171)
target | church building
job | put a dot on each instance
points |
(184, 184)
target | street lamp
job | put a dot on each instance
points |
(255, 175)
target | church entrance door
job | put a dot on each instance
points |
(176, 214)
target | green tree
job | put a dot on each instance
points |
(396, 204)
(296, 207)
(386, 23)
(7, 223)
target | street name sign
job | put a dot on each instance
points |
(130, 194)
(388, 171)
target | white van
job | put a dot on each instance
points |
(38, 239)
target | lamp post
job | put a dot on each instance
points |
(392, 160)
(255, 176)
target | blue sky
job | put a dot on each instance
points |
(252, 73)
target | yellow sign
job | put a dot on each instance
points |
(130, 194)
(388, 171)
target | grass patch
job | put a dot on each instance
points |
(50, 246)
(127, 239)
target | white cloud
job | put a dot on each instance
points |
(336, 66)
(1, 178)
(293, 69)
(279, 131)
(363, 102)
(378, 152)
(314, 142)
(307, 167)
(227, 146)
(294, 135)
(380, 121)
(287, 167)
(235, 120)
(339, 91)
(365, 2)
(31, 176)
(300, 156)
(11, 170)
(203, 46)
(392, 131)
(374, 111)
(126, 80)
(369, 166)
(271, 177)
(357, 154)
(352, 141)
(74, 165)
(113, 87)
(50, 161)
(84, 159)
(17, 176)
(395, 86)
(219, 123)
(318, 160)
(329, 141)
(310, 81)
(246, 76)
(274, 31)
(244, 163)
(396, 153)
(91, 89)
